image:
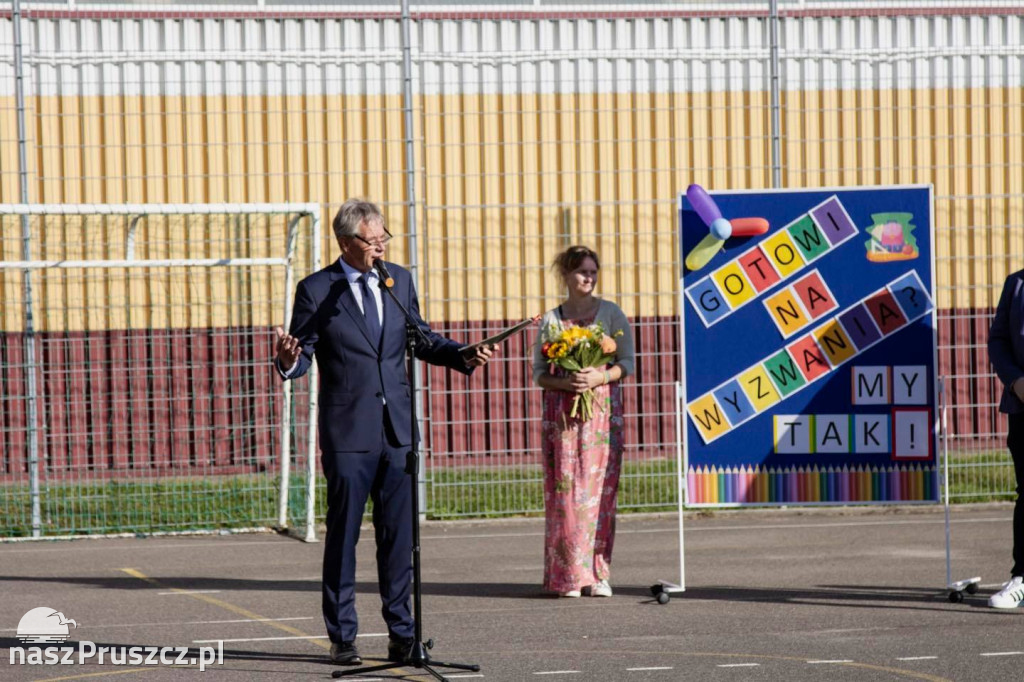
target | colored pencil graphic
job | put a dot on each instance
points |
(748, 484)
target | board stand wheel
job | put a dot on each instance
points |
(957, 589)
(662, 591)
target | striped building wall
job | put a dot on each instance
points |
(534, 130)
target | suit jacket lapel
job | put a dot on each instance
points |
(347, 301)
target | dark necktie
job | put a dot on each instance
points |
(370, 309)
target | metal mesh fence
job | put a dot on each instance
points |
(498, 133)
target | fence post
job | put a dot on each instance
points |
(26, 254)
(773, 47)
(410, 200)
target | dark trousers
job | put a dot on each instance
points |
(351, 478)
(1015, 441)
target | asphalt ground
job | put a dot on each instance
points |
(838, 594)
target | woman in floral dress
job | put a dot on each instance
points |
(582, 457)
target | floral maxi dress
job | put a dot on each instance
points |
(582, 461)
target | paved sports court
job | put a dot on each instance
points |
(831, 594)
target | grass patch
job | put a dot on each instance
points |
(203, 503)
(985, 476)
(167, 504)
(484, 492)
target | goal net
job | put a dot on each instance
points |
(137, 390)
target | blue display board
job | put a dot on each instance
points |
(810, 360)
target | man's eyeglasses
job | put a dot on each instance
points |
(382, 242)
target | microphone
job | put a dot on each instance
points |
(385, 276)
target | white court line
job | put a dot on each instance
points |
(1003, 653)
(917, 658)
(716, 529)
(188, 622)
(106, 548)
(559, 672)
(663, 667)
(164, 594)
(461, 676)
(738, 665)
(275, 639)
(843, 660)
(258, 639)
(673, 529)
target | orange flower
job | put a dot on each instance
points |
(608, 345)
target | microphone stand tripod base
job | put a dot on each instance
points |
(418, 658)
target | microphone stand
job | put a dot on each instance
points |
(418, 657)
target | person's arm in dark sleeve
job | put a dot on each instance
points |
(1000, 336)
(302, 335)
(436, 349)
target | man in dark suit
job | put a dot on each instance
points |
(1006, 352)
(358, 335)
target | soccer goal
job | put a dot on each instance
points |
(137, 392)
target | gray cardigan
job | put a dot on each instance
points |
(612, 318)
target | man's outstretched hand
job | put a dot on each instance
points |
(288, 349)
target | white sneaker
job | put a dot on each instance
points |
(571, 594)
(1010, 596)
(599, 589)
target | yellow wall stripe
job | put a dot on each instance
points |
(508, 180)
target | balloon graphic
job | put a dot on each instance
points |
(719, 228)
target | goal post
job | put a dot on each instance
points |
(135, 350)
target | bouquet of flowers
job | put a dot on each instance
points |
(575, 348)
